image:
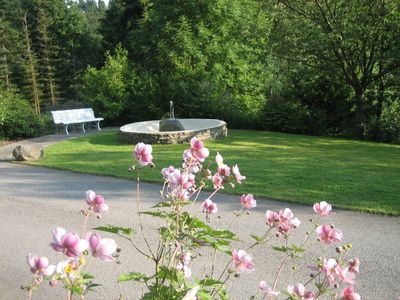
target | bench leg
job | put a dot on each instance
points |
(98, 125)
(83, 127)
(66, 129)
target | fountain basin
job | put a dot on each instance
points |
(148, 131)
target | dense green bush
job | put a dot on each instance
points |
(117, 92)
(285, 116)
(387, 128)
(17, 117)
(190, 55)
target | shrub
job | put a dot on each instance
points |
(281, 115)
(387, 128)
(118, 91)
(17, 117)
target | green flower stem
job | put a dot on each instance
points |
(140, 217)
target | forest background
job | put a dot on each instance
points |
(317, 67)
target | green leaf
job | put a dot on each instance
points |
(163, 204)
(223, 248)
(210, 282)
(77, 290)
(280, 249)
(87, 276)
(160, 214)
(136, 276)
(203, 295)
(115, 229)
(258, 239)
(297, 249)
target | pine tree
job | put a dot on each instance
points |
(48, 70)
(32, 68)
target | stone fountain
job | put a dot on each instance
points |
(172, 130)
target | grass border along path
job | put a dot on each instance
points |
(355, 175)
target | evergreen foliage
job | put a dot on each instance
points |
(304, 66)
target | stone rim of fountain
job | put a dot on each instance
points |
(207, 129)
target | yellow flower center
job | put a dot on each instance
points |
(68, 269)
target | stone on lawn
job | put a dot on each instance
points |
(25, 152)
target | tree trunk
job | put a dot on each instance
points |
(42, 28)
(7, 78)
(381, 95)
(32, 69)
(358, 129)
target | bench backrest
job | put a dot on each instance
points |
(72, 115)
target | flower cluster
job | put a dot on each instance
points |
(224, 174)
(70, 270)
(183, 235)
(283, 220)
(195, 156)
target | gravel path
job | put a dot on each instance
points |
(34, 200)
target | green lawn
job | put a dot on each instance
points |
(350, 174)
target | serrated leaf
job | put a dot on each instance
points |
(297, 249)
(163, 204)
(256, 238)
(136, 276)
(160, 214)
(280, 249)
(223, 248)
(210, 282)
(115, 229)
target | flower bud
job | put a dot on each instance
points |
(53, 282)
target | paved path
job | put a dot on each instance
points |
(43, 141)
(34, 200)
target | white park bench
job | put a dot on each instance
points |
(75, 116)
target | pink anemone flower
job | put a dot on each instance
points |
(198, 149)
(166, 171)
(184, 264)
(322, 209)
(236, 172)
(40, 265)
(143, 155)
(329, 235)
(284, 220)
(354, 265)
(181, 179)
(209, 207)
(248, 201)
(344, 275)
(328, 267)
(224, 171)
(219, 160)
(268, 291)
(272, 218)
(101, 248)
(68, 268)
(242, 261)
(299, 291)
(349, 294)
(69, 243)
(96, 201)
(218, 181)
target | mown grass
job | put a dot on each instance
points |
(350, 174)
